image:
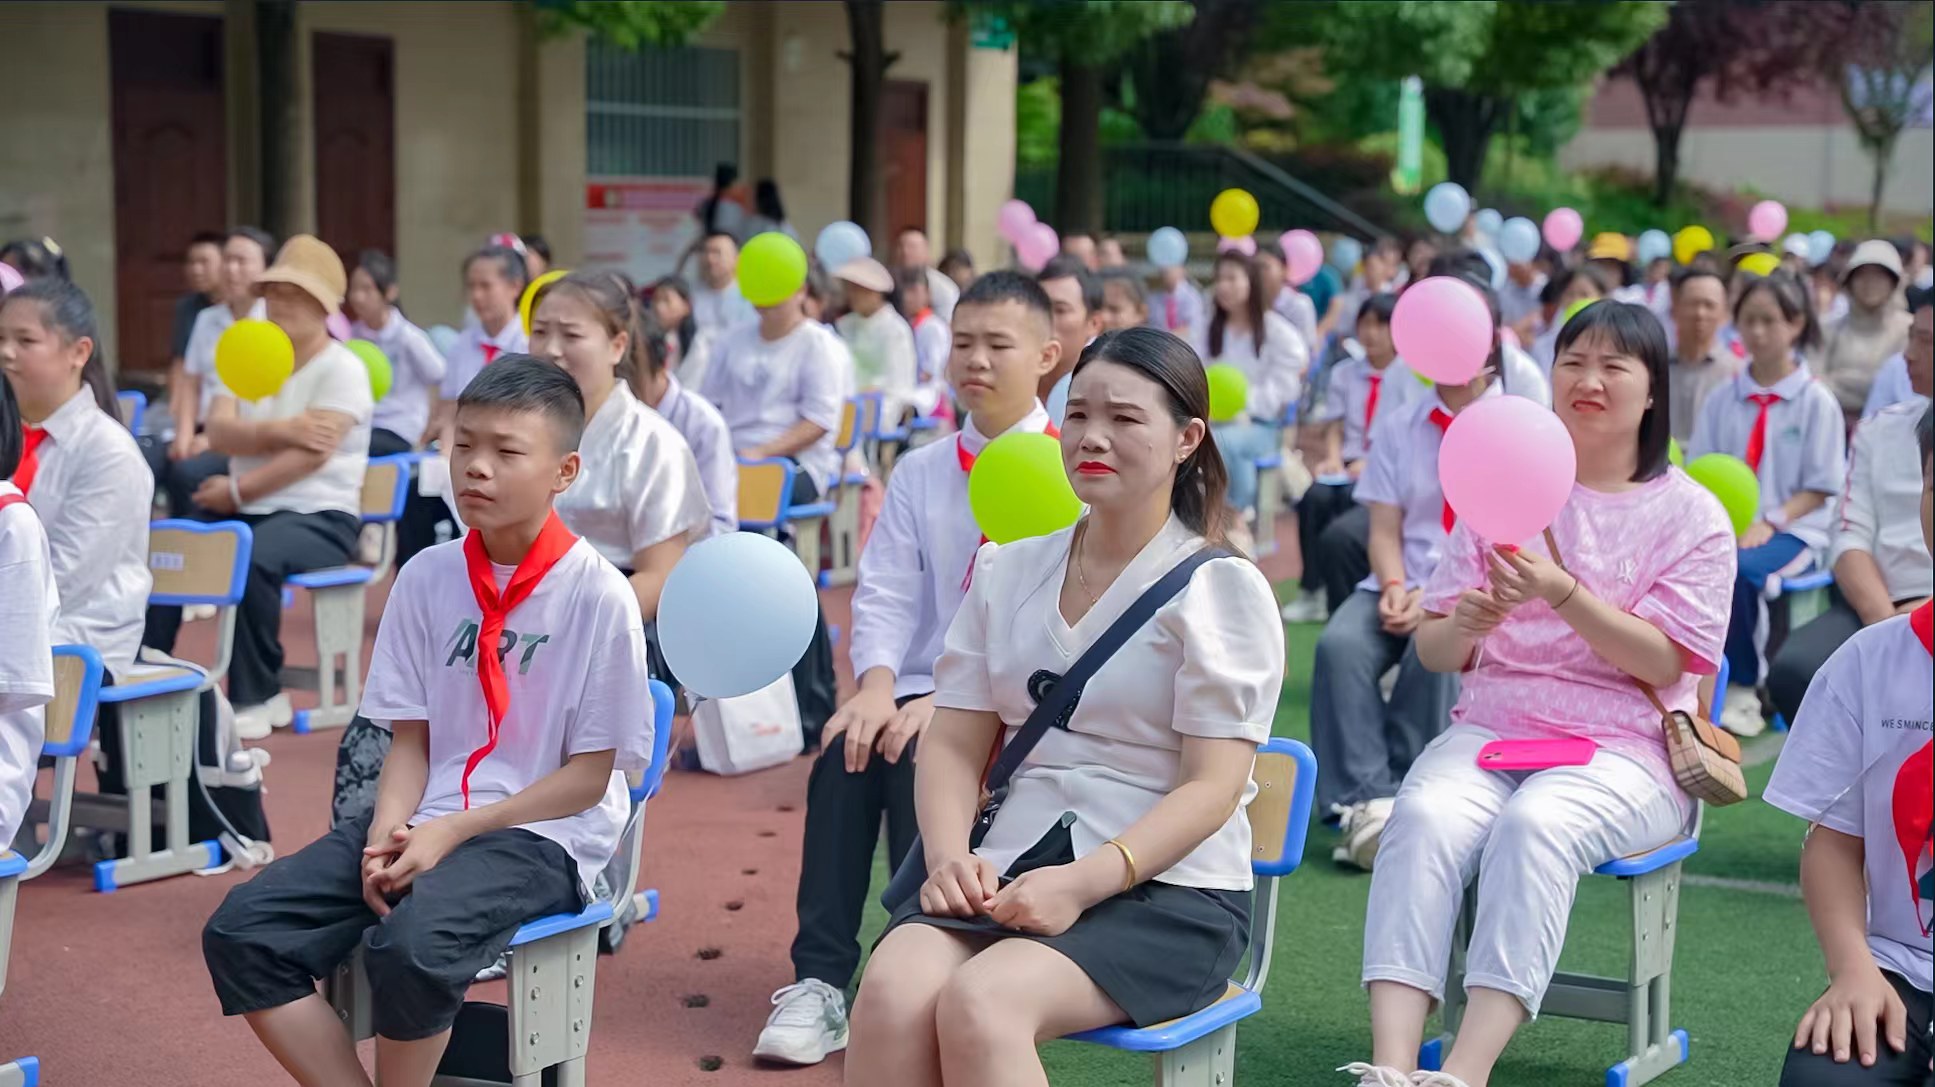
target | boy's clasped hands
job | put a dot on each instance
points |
(393, 860)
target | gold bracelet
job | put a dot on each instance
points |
(1128, 858)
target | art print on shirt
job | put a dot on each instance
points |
(461, 648)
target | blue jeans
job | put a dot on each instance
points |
(1757, 564)
(1242, 441)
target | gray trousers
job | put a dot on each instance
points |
(1364, 745)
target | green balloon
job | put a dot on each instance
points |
(772, 268)
(377, 363)
(1578, 304)
(1018, 488)
(1229, 392)
(1674, 454)
(1733, 483)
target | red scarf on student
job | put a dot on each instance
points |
(967, 465)
(30, 439)
(553, 540)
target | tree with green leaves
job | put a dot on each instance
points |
(630, 24)
(1885, 84)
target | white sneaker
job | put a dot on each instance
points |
(495, 970)
(1376, 1075)
(195, 613)
(1741, 713)
(281, 713)
(809, 1021)
(369, 545)
(253, 722)
(1308, 607)
(1436, 1079)
(1360, 832)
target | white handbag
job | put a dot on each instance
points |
(750, 731)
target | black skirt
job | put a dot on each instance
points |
(1159, 951)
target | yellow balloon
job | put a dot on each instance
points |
(1760, 264)
(1234, 213)
(525, 303)
(253, 358)
(1690, 242)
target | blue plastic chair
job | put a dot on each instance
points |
(133, 405)
(1201, 1048)
(766, 505)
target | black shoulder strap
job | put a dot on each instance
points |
(1061, 697)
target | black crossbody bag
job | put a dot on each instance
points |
(1052, 710)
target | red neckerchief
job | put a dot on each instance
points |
(966, 460)
(1757, 440)
(1370, 407)
(1922, 620)
(491, 351)
(31, 437)
(1448, 517)
(552, 542)
(921, 317)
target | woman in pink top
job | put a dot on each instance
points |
(1548, 652)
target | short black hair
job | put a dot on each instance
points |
(1925, 433)
(1379, 306)
(1682, 276)
(1003, 285)
(957, 258)
(206, 237)
(12, 439)
(528, 384)
(263, 240)
(914, 275)
(910, 228)
(726, 234)
(536, 243)
(1633, 330)
(1063, 266)
(1128, 281)
(510, 263)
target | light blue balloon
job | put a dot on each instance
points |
(1345, 252)
(1820, 246)
(1447, 206)
(1653, 245)
(837, 244)
(1518, 239)
(444, 338)
(1168, 248)
(736, 614)
(1488, 220)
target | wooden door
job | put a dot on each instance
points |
(355, 111)
(903, 157)
(170, 154)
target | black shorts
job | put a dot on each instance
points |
(301, 917)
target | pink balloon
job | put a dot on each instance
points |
(1767, 220)
(10, 278)
(1442, 328)
(1037, 245)
(1245, 245)
(1303, 256)
(1014, 219)
(1507, 467)
(1563, 229)
(338, 326)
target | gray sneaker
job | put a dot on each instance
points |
(809, 1021)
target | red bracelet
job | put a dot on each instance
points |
(1393, 581)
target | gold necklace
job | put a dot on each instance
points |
(1081, 578)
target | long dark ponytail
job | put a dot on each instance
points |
(1202, 481)
(65, 309)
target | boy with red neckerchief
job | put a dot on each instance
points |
(510, 667)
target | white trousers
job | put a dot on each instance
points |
(1529, 836)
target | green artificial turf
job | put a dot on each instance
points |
(1745, 968)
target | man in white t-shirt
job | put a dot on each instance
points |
(510, 668)
(1858, 766)
(911, 250)
(717, 305)
(295, 474)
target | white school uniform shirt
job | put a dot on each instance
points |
(476, 348)
(884, 358)
(722, 310)
(1880, 511)
(1857, 761)
(705, 433)
(1516, 303)
(29, 608)
(1402, 471)
(1806, 443)
(1891, 386)
(199, 360)
(1275, 376)
(335, 380)
(574, 658)
(1180, 310)
(1347, 399)
(416, 369)
(1524, 378)
(1296, 307)
(95, 498)
(1208, 664)
(763, 387)
(693, 360)
(933, 343)
(914, 570)
(639, 485)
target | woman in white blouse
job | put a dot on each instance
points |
(1245, 333)
(1114, 884)
(638, 498)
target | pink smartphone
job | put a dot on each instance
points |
(1536, 754)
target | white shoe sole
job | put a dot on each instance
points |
(253, 728)
(802, 1057)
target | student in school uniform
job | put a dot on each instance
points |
(933, 340)
(1244, 332)
(1124, 303)
(1137, 909)
(1636, 591)
(416, 366)
(1788, 428)
(1364, 386)
(884, 356)
(1880, 569)
(638, 500)
(503, 793)
(1177, 305)
(28, 610)
(1857, 767)
(779, 383)
(295, 475)
(86, 479)
(913, 576)
(1077, 297)
(1585, 283)
(1291, 304)
(958, 267)
(189, 460)
(1700, 363)
(698, 422)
